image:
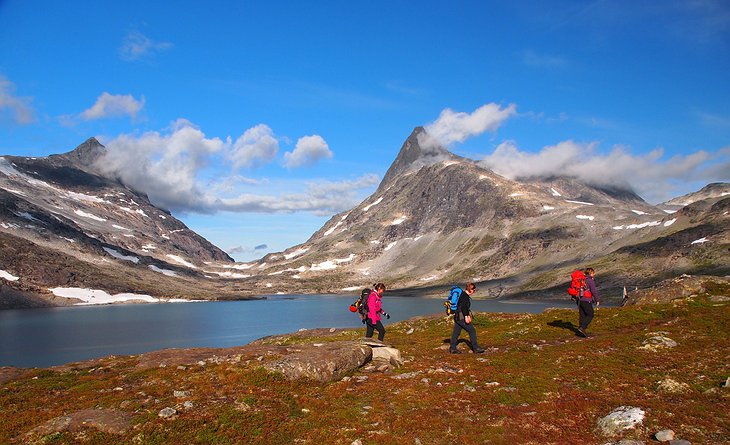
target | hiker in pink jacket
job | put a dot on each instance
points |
(375, 308)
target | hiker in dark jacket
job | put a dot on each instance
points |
(462, 320)
(585, 304)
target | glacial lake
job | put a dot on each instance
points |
(48, 337)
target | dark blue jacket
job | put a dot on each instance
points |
(591, 285)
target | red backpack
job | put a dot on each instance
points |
(578, 288)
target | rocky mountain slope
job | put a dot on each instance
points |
(438, 218)
(63, 224)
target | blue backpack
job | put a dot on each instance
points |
(452, 301)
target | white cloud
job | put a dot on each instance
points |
(137, 46)
(652, 177)
(19, 107)
(309, 150)
(452, 126)
(165, 166)
(113, 105)
(168, 166)
(256, 146)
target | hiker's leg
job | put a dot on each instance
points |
(589, 314)
(472, 336)
(381, 330)
(455, 334)
(369, 329)
(586, 314)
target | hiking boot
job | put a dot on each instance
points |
(479, 350)
(454, 351)
(582, 332)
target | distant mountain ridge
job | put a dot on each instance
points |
(435, 219)
(70, 214)
(438, 218)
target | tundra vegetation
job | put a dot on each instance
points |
(538, 383)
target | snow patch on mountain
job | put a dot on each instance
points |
(168, 272)
(8, 276)
(580, 202)
(295, 253)
(376, 202)
(89, 215)
(181, 260)
(121, 256)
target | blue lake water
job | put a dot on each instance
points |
(47, 337)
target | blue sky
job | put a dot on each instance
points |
(254, 122)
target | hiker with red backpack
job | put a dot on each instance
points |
(583, 290)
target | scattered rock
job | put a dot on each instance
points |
(664, 435)
(181, 394)
(188, 404)
(657, 342)
(407, 375)
(672, 386)
(621, 419)
(410, 331)
(727, 383)
(105, 420)
(356, 442)
(719, 298)
(679, 442)
(388, 354)
(166, 413)
(327, 363)
(469, 388)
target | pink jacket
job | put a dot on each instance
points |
(375, 304)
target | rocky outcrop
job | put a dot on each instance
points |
(621, 419)
(684, 286)
(106, 420)
(323, 362)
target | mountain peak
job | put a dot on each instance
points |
(419, 150)
(86, 154)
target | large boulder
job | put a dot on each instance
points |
(325, 362)
(621, 419)
(106, 420)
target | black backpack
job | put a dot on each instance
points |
(361, 305)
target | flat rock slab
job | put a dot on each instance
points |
(106, 420)
(324, 362)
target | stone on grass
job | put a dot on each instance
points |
(657, 342)
(166, 413)
(181, 394)
(388, 354)
(106, 420)
(672, 386)
(679, 442)
(621, 419)
(664, 435)
(327, 363)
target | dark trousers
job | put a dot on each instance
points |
(585, 314)
(377, 326)
(460, 324)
